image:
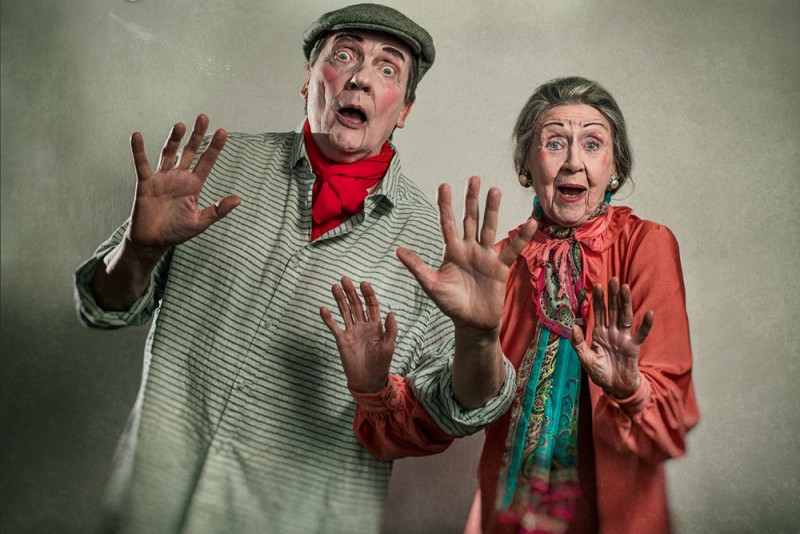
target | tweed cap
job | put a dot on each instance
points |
(377, 18)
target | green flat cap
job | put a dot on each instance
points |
(378, 18)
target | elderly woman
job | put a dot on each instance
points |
(604, 393)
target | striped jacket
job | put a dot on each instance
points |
(243, 421)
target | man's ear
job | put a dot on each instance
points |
(304, 89)
(401, 119)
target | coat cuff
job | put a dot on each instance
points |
(636, 402)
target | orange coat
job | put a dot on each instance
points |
(630, 439)
(622, 444)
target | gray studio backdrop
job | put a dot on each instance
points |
(710, 90)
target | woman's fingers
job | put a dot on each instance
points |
(644, 329)
(625, 307)
(599, 306)
(613, 302)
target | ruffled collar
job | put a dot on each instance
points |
(562, 262)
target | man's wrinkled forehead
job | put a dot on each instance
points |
(387, 42)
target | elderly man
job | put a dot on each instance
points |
(244, 419)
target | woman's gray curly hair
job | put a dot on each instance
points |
(572, 90)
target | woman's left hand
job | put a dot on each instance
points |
(612, 362)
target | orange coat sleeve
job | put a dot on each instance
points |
(392, 424)
(652, 423)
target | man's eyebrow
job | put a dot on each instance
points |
(350, 36)
(389, 49)
(395, 52)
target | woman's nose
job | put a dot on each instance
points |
(574, 161)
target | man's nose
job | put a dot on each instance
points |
(361, 79)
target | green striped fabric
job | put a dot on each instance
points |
(243, 422)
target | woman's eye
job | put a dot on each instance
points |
(555, 144)
(342, 55)
(388, 71)
(592, 146)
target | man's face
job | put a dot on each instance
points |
(355, 93)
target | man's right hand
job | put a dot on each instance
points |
(166, 212)
(166, 209)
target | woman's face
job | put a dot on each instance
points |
(571, 160)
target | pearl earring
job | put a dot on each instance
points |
(525, 179)
(613, 183)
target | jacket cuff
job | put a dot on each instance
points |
(389, 399)
(92, 314)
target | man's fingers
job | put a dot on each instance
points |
(341, 303)
(218, 210)
(515, 247)
(390, 334)
(209, 156)
(356, 307)
(371, 301)
(471, 209)
(416, 267)
(328, 319)
(194, 142)
(447, 222)
(489, 227)
(139, 157)
(170, 149)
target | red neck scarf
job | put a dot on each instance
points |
(341, 188)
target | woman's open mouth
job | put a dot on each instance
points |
(571, 192)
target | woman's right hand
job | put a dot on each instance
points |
(166, 209)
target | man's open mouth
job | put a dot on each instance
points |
(353, 114)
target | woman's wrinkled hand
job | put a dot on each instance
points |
(612, 361)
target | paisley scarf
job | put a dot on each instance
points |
(539, 483)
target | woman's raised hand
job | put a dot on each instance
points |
(166, 209)
(612, 362)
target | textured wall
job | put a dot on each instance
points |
(710, 90)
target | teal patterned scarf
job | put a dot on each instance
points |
(539, 481)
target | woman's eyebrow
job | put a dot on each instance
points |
(587, 125)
